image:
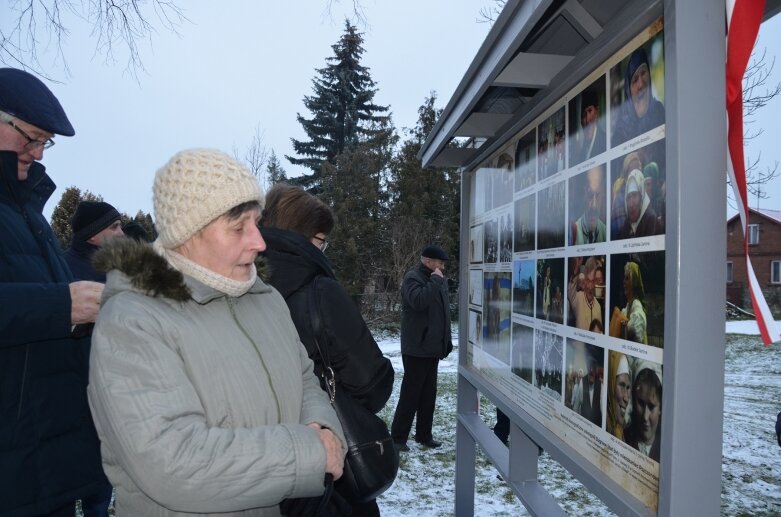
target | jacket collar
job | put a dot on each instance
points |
(147, 272)
(286, 241)
(13, 190)
(83, 248)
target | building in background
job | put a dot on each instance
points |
(764, 246)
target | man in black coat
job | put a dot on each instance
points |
(49, 450)
(425, 339)
(92, 223)
(591, 408)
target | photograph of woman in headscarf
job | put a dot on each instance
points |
(638, 91)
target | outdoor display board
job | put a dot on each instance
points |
(567, 266)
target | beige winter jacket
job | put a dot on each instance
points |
(200, 399)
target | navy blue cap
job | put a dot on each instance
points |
(25, 97)
(434, 252)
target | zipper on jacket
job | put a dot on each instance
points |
(231, 303)
(24, 381)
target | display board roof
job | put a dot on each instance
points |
(533, 46)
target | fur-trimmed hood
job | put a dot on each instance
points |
(148, 272)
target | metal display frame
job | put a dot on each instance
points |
(695, 125)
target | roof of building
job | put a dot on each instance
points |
(774, 215)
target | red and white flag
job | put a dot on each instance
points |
(743, 20)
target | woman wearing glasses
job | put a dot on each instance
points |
(295, 225)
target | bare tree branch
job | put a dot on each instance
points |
(358, 12)
(116, 25)
(489, 13)
(256, 157)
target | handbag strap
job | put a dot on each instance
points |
(317, 327)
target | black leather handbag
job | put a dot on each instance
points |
(372, 461)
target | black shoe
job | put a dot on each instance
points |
(401, 446)
(431, 443)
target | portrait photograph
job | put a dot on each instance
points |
(642, 423)
(491, 241)
(525, 222)
(523, 352)
(550, 289)
(496, 311)
(619, 393)
(524, 272)
(504, 176)
(476, 244)
(637, 297)
(587, 119)
(475, 327)
(486, 177)
(584, 310)
(551, 226)
(587, 207)
(526, 161)
(476, 287)
(637, 91)
(583, 380)
(506, 236)
(477, 196)
(548, 362)
(551, 144)
(638, 191)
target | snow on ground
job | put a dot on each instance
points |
(751, 479)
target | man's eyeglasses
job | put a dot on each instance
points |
(32, 143)
(323, 243)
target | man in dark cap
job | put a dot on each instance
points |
(50, 452)
(92, 223)
(135, 231)
(425, 339)
(592, 141)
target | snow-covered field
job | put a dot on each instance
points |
(751, 474)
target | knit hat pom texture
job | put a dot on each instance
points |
(194, 188)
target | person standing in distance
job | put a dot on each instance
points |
(93, 223)
(50, 450)
(425, 339)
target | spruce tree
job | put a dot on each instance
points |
(343, 112)
(63, 213)
(425, 203)
(274, 171)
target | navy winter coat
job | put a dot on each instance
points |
(425, 315)
(79, 260)
(49, 451)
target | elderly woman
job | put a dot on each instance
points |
(641, 220)
(641, 111)
(619, 384)
(203, 396)
(295, 226)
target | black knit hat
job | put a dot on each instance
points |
(434, 252)
(136, 231)
(91, 217)
(25, 97)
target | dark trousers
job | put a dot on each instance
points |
(369, 509)
(69, 510)
(418, 395)
(96, 505)
(502, 427)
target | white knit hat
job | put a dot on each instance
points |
(194, 188)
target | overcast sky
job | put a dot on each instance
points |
(232, 70)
